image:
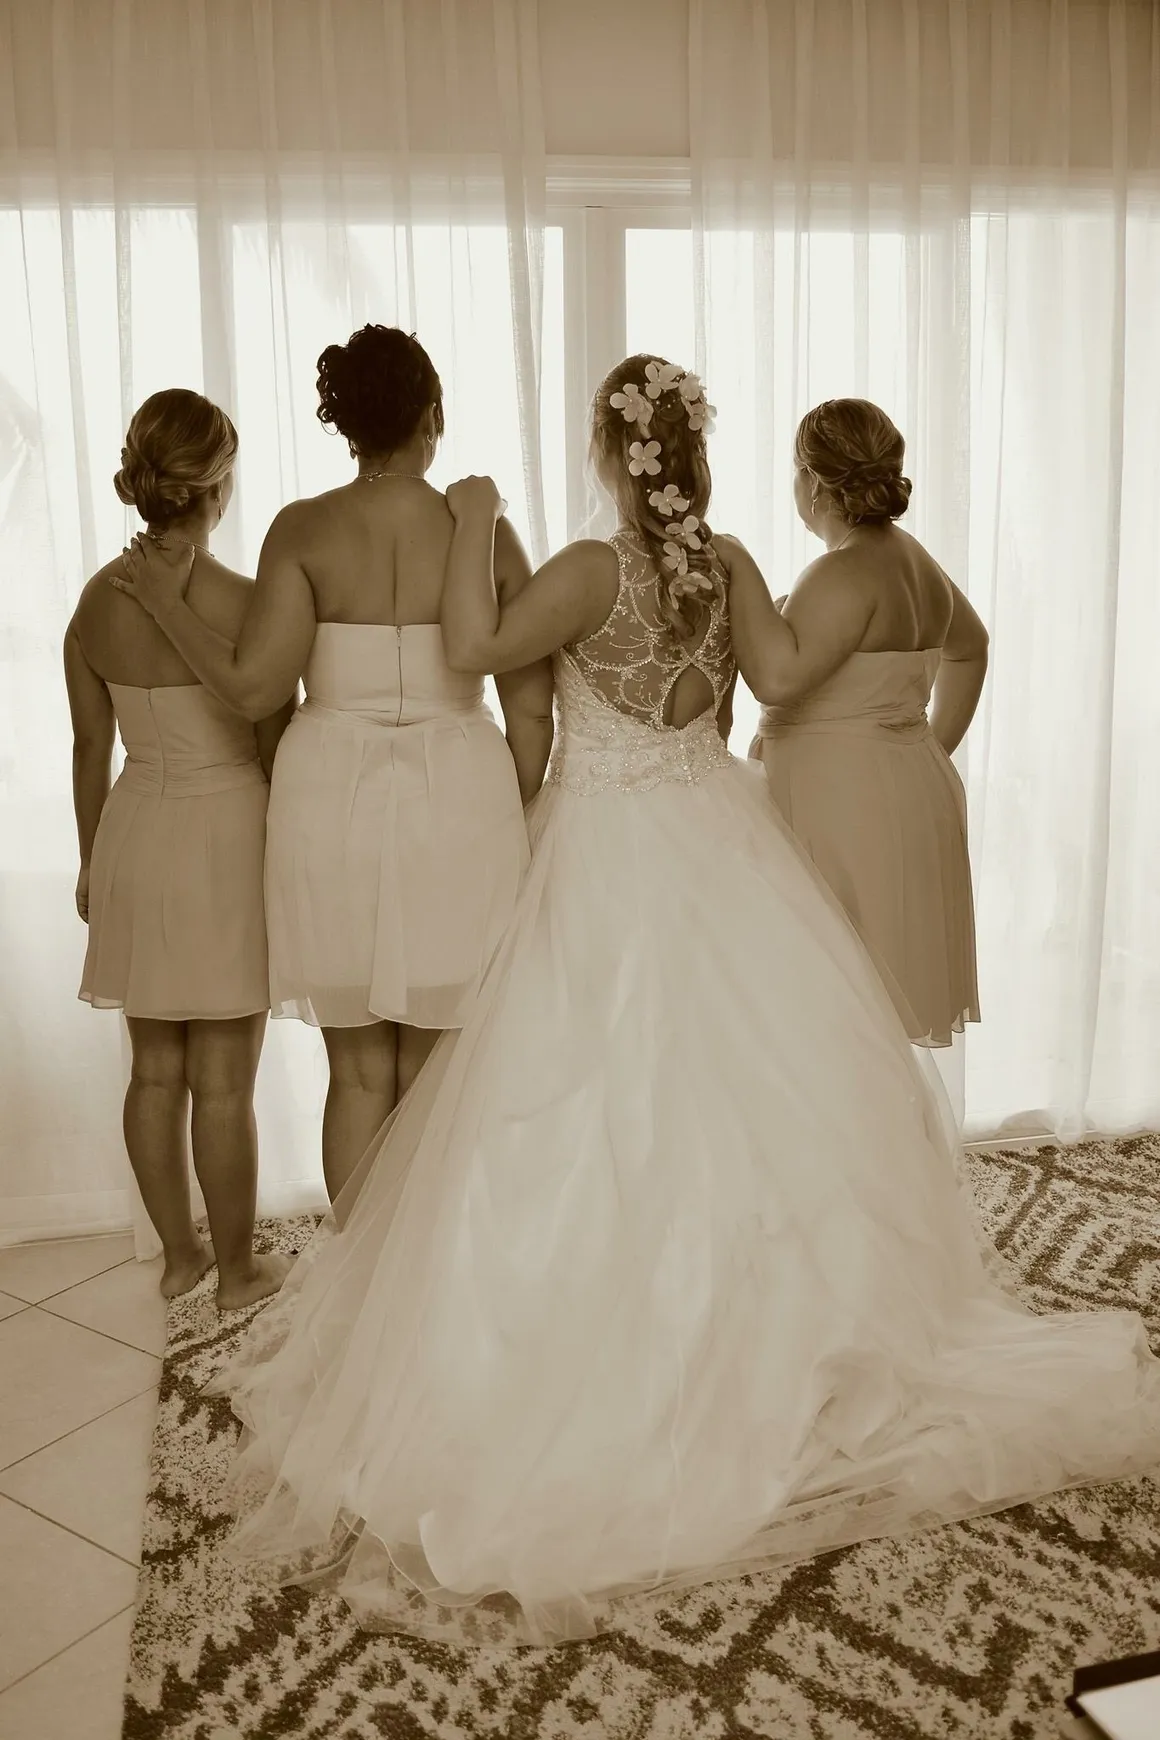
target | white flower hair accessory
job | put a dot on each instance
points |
(662, 378)
(632, 404)
(683, 533)
(699, 411)
(687, 530)
(643, 458)
(668, 501)
(685, 583)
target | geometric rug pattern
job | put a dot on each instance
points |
(967, 1632)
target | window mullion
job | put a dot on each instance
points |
(594, 327)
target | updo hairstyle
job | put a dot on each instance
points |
(177, 447)
(854, 453)
(375, 388)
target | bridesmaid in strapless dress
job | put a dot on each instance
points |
(171, 861)
(861, 774)
(396, 838)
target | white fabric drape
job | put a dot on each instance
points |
(206, 194)
(954, 209)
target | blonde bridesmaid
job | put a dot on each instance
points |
(170, 883)
(857, 758)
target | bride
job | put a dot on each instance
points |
(663, 1271)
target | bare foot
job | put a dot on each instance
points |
(182, 1276)
(264, 1276)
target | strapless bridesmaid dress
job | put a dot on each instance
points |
(876, 802)
(176, 924)
(396, 836)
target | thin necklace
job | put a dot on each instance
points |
(164, 540)
(373, 476)
(846, 539)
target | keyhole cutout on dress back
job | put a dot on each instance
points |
(692, 692)
(690, 696)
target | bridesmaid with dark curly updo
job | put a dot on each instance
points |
(396, 838)
(860, 770)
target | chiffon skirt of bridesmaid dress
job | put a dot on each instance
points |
(177, 928)
(396, 835)
(880, 809)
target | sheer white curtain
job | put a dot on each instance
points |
(954, 209)
(205, 193)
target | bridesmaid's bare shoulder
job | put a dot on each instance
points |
(100, 603)
(120, 641)
(219, 595)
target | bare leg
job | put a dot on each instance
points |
(156, 1117)
(362, 1093)
(415, 1047)
(221, 1061)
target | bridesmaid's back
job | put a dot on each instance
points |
(124, 645)
(375, 551)
(913, 600)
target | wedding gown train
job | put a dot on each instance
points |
(664, 1270)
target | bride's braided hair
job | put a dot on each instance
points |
(649, 420)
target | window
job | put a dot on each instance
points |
(461, 287)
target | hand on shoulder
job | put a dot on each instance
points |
(739, 565)
(155, 574)
(729, 548)
(475, 496)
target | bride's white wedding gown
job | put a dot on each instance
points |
(663, 1271)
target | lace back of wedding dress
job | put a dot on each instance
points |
(635, 658)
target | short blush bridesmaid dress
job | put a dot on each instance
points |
(877, 804)
(176, 924)
(396, 837)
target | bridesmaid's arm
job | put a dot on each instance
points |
(525, 696)
(260, 674)
(785, 654)
(268, 732)
(94, 730)
(526, 699)
(566, 599)
(961, 674)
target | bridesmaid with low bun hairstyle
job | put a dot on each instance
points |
(856, 764)
(170, 884)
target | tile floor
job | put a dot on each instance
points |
(82, 1330)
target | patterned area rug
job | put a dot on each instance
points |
(969, 1632)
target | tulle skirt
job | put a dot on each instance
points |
(663, 1272)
